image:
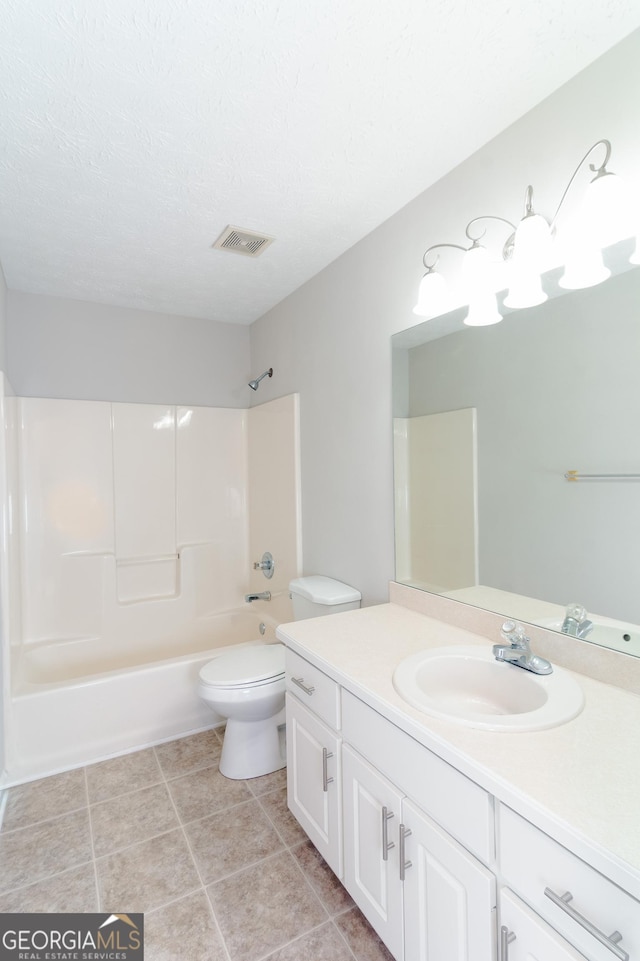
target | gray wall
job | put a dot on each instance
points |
(81, 351)
(330, 340)
(3, 321)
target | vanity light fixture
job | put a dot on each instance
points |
(535, 245)
(478, 279)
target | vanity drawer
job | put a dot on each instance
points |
(456, 803)
(311, 686)
(531, 863)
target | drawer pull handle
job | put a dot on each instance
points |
(404, 865)
(386, 843)
(307, 688)
(326, 781)
(611, 942)
(506, 937)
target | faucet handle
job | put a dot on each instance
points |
(514, 634)
(577, 611)
(266, 564)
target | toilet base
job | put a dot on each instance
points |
(252, 748)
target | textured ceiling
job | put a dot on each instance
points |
(132, 133)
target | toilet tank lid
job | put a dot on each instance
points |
(324, 590)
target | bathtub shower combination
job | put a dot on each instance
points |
(132, 532)
(74, 702)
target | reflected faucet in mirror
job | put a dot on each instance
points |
(576, 622)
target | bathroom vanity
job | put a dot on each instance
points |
(460, 844)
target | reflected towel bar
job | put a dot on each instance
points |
(574, 475)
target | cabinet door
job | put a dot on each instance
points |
(524, 936)
(371, 812)
(313, 781)
(449, 897)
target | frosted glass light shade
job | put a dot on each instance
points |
(432, 295)
(476, 270)
(532, 244)
(532, 253)
(584, 268)
(525, 290)
(483, 311)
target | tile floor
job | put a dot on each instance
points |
(220, 868)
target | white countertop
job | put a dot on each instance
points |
(579, 782)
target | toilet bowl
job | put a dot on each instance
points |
(246, 686)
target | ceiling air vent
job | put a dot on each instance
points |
(241, 241)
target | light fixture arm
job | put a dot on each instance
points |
(508, 244)
(599, 172)
(430, 267)
(474, 240)
(485, 217)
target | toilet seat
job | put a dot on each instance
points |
(247, 666)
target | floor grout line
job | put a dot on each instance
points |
(342, 936)
(310, 885)
(299, 937)
(38, 824)
(44, 880)
(92, 839)
(197, 869)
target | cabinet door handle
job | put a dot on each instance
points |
(611, 942)
(386, 843)
(307, 688)
(403, 833)
(326, 781)
(506, 937)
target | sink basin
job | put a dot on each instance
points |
(468, 685)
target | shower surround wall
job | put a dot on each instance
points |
(137, 528)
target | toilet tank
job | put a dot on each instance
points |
(316, 595)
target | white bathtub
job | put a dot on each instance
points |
(79, 701)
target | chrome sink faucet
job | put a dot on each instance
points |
(517, 650)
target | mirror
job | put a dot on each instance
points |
(489, 421)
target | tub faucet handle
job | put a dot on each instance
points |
(266, 564)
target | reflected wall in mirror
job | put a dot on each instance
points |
(551, 389)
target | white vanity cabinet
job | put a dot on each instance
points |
(425, 894)
(372, 813)
(314, 772)
(450, 897)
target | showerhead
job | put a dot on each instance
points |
(253, 384)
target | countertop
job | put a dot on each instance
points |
(579, 782)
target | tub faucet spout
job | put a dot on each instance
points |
(261, 596)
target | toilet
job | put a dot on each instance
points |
(247, 685)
